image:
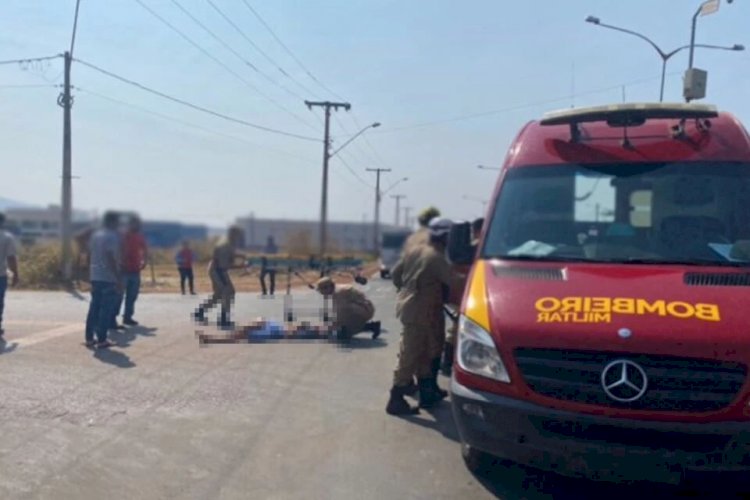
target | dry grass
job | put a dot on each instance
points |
(40, 270)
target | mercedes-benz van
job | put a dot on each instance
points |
(605, 324)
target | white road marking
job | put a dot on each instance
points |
(50, 334)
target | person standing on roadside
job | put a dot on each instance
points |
(184, 259)
(134, 260)
(422, 277)
(223, 259)
(8, 260)
(267, 269)
(106, 281)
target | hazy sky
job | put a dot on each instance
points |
(435, 63)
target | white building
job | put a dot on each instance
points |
(36, 224)
(303, 235)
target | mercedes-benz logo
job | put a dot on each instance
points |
(624, 381)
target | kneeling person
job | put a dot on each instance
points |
(352, 310)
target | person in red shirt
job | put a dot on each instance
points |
(184, 260)
(134, 259)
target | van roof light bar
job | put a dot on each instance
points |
(627, 115)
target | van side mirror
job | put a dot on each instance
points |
(460, 250)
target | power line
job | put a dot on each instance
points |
(517, 107)
(257, 48)
(233, 51)
(29, 86)
(30, 60)
(186, 123)
(194, 106)
(288, 51)
(354, 172)
(220, 63)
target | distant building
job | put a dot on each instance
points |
(39, 225)
(168, 234)
(303, 235)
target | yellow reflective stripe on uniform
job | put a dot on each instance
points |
(476, 303)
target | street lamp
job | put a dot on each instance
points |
(484, 167)
(394, 185)
(665, 56)
(372, 125)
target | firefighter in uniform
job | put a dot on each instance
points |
(352, 310)
(421, 235)
(422, 277)
(223, 259)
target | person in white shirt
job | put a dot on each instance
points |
(8, 260)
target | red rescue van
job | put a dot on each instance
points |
(605, 324)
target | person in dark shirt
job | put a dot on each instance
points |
(267, 269)
(184, 259)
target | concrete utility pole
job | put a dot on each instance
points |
(407, 210)
(326, 156)
(398, 198)
(376, 227)
(65, 100)
(66, 227)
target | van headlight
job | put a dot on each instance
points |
(477, 353)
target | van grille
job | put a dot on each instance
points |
(529, 273)
(645, 438)
(717, 279)
(674, 384)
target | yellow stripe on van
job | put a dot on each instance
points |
(476, 302)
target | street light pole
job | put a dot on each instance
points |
(398, 198)
(706, 8)
(376, 228)
(326, 156)
(373, 125)
(407, 211)
(65, 100)
(666, 56)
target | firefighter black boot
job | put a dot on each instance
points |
(374, 327)
(397, 405)
(428, 395)
(435, 366)
(411, 390)
(447, 365)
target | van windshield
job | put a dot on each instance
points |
(680, 213)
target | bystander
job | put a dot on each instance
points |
(8, 260)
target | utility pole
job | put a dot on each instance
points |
(376, 228)
(407, 210)
(398, 198)
(66, 101)
(326, 156)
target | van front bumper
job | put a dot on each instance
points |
(596, 447)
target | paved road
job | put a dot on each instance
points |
(158, 417)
